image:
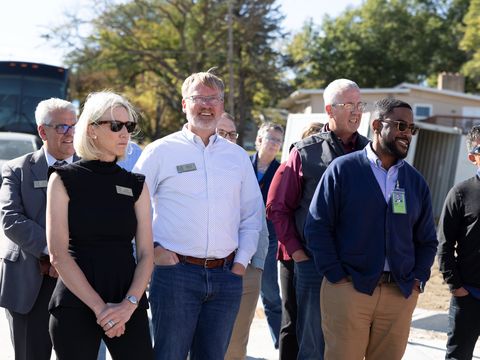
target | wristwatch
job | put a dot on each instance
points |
(132, 299)
(421, 285)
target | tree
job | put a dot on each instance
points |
(471, 42)
(146, 48)
(385, 42)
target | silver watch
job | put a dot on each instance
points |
(132, 299)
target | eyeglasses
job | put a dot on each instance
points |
(273, 140)
(403, 126)
(349, 106)
(212, 100)
(116, 125)
(227, 134)
(61, 129)
(475, 150)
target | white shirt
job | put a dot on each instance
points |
(51, 160)
(206, 200)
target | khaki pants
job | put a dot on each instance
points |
(237, 349)
(357, 325)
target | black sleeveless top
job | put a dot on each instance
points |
(102, 224)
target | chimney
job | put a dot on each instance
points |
(451, 81)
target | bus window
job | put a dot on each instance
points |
(22, 87)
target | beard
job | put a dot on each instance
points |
(395, 149)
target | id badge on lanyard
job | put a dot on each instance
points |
(399, 203)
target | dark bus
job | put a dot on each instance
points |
(22, 86)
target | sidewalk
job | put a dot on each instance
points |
(426, 342)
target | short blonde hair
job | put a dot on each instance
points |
(205, 78)
(95, 106)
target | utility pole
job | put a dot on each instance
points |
(231, 88)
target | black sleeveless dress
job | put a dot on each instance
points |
(102, 224)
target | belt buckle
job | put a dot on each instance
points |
(205, 264)
(386, 278)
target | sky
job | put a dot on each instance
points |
(23, 21)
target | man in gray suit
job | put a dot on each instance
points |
(26, 278)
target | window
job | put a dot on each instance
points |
(422, 111)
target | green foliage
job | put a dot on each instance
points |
(471, 42)
(381, 43)
(146, 48)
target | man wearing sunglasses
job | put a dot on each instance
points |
(459, 256)
(207, 211)
(370, 229)
(288, 210)
(28, 279)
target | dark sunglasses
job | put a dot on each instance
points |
(403, 126)
(61, 129)
(116, 125)
(475, 150)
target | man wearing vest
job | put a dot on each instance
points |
(305, 166)
(371, 232)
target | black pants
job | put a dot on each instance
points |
(463, 327)
(76, 335)
(288, 345)
(29, 332)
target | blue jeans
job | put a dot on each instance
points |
(463, 327)
(270, 291)
(193, 309)
(309, 321)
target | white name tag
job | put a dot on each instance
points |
(124, 190)
(40, 184)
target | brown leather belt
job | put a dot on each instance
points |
(385, 278)
(208, 263)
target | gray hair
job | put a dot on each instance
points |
(473, 138)
(263, 131)
(95, 106)
(205, 78)
(45, 109)
(335, 88)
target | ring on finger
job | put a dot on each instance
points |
(111, 323)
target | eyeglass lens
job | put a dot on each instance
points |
(403, 126)
(63, 128)
(231, 134)
(116, 125)
(214, 100)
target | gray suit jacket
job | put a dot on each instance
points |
(22, 210)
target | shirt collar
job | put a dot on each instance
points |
(194, 138)
(51, 160)
(373, 158)
(348, 147)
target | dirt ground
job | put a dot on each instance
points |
(436, 295)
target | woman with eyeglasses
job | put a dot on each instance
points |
(94, 210)
(268, 142)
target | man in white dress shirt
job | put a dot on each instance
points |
(207, 213)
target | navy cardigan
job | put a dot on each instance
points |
(350, 229)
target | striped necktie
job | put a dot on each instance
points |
(60, 163)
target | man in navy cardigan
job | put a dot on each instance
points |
(370, 229)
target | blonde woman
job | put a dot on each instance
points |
(94, 210)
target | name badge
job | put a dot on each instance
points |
(124, 190)
(399, 204)
(40, 184)
(186, 167)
